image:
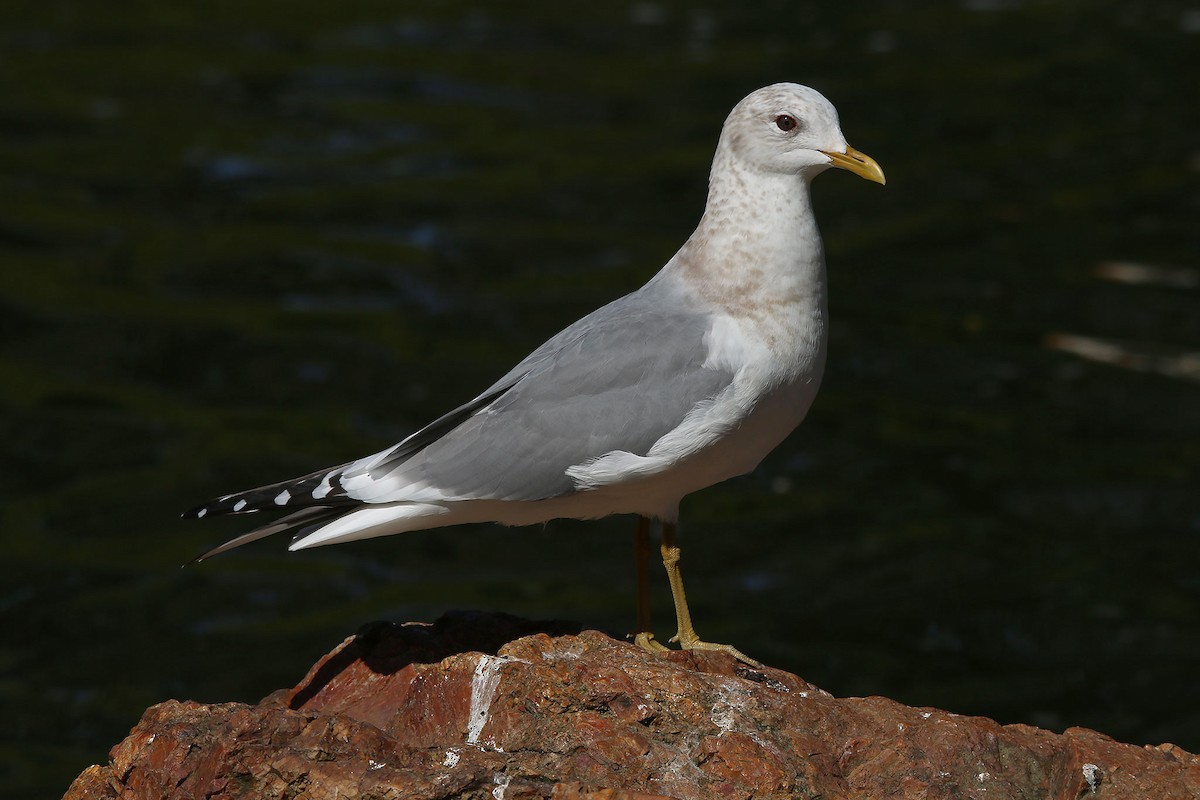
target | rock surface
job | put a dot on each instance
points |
(490, 706)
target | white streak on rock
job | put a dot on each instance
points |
(483, 691)
(1091, 774)
(730, 697)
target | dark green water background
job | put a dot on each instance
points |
(241, 241)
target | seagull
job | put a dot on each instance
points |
(686, 382)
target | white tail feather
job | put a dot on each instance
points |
(371, 521)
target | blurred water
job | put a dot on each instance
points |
(239, 244)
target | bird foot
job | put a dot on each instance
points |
(647, 642)
(693, 643)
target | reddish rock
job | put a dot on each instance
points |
(489, 706)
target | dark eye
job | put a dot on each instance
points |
(785, 122)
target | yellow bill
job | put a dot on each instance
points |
(860, 164)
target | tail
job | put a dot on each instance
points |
(323, 510)
(307, 519)
(321, 525)
(322, 513)
(314, 500)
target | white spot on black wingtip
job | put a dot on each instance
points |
(239, 505)
(283, 497)
(325, 487)
(200, 514)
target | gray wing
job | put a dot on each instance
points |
(619, 379)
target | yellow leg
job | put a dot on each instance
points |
(641, 549)
(687, 638)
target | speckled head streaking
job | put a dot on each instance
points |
(757, 251)
(786, 128)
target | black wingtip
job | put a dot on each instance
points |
(221, 505)
(197, 559)
(305, 516)
(207, 554)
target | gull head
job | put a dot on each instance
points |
(789, 129)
